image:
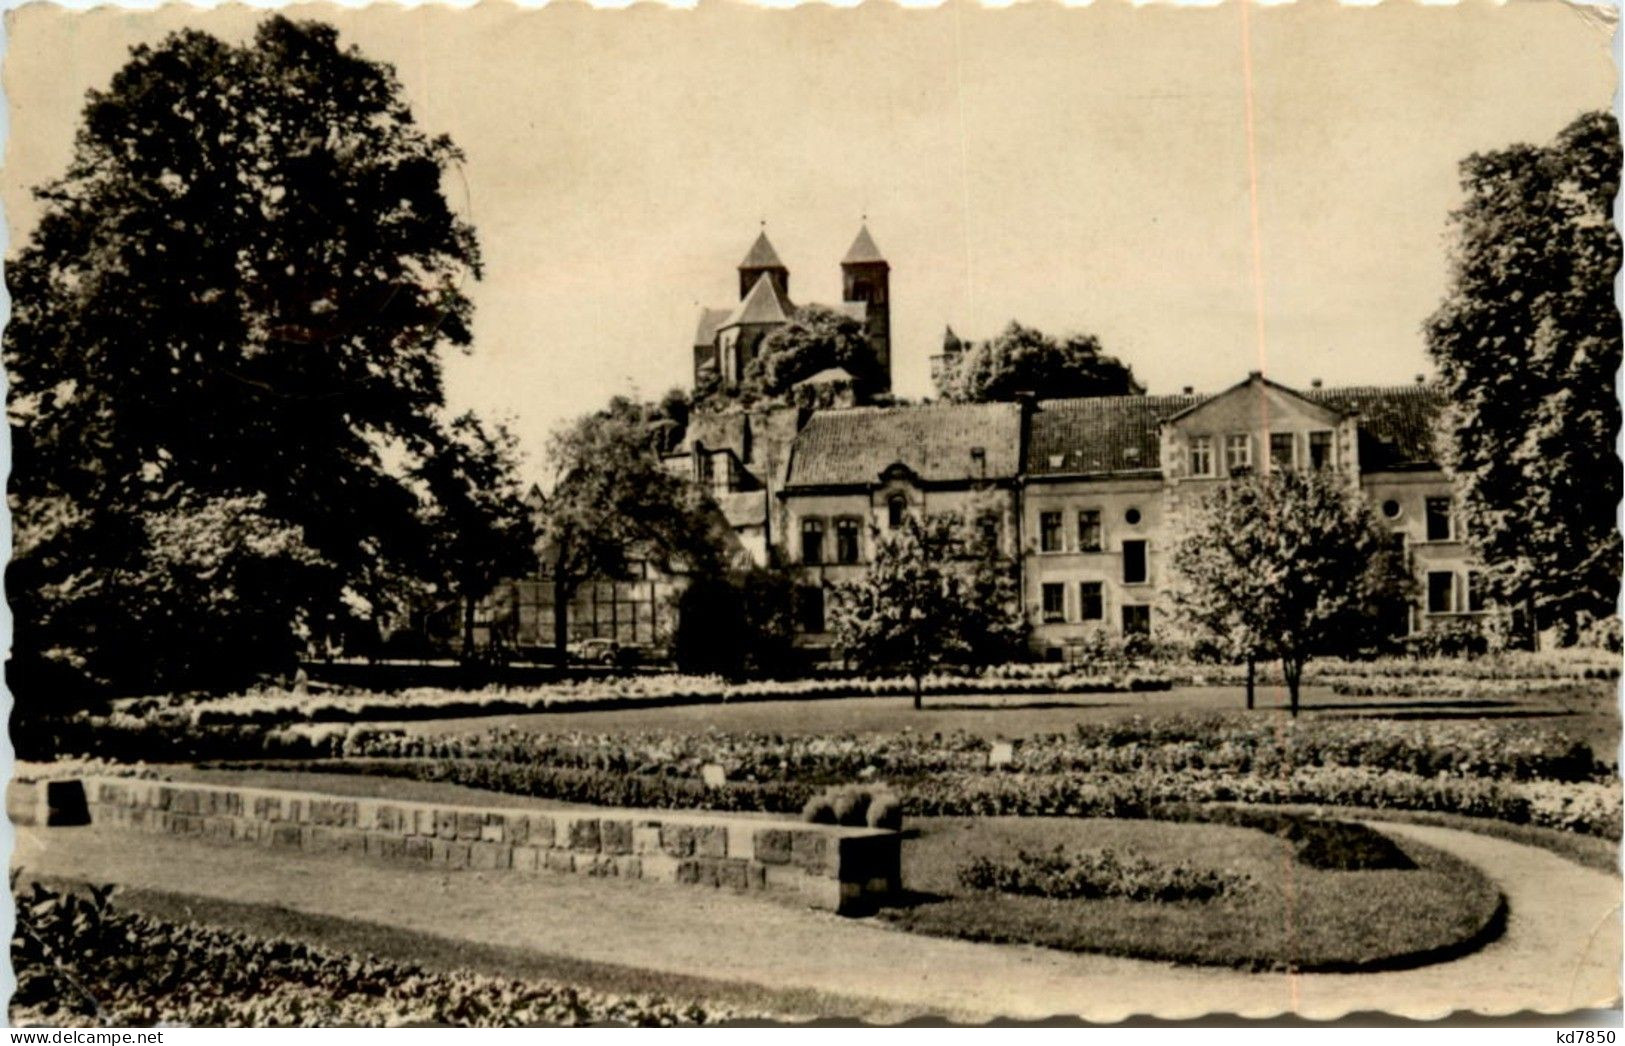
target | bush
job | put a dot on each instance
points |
(79, 961)
(855, 807)
(1090, 875)
(1317, 843)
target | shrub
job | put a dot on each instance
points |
(855, 806)
(1090, 875)
(79, 961)
(1316, 843)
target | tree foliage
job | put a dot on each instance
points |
(1288, 564)
(935, 590)
(1528, 345)
(1023, 359)
(738, 624)
(613, 503)
(235, 297)
(816, 338)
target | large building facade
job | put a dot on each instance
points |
(1089, 494)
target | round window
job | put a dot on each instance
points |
(1132, 517)
(1390, 508)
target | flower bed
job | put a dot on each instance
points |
(79, 961)
(1573, 665)
(1091, 874)
(270, 707)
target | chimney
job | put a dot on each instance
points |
(1190, 390)
(1314, 383)
(1421, 379)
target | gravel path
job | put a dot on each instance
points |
(1561, 950)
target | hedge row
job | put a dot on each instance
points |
(1585, 807)
(80, 962)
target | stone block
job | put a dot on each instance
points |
(419, 848)
(488, 855)
(453, 853)
(62, 803)
(445, 824)
(527, 858)
(166, 798)
(297, 811)
(711, 841)
(286, 836)
(495, 829)
(541, 830)
(518, 828)
(629, 867)
(810, 849)
(268, 808)
(615, 837)
(771, 845)
(470, 825)
(386, 845)
(186, 802)
(559, 861)
(218, 826)
(646, 837)
(690, 872)
(756, 875)
(388, 819)
(584, 834)
(660, 867)
(677, 840)
(732, 873)
(598, 866)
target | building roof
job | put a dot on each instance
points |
(710, 320)
(863, 250)
(1396, 422)
(762, 255)
(762, 305)
(719, 431)
(853, 447)
(1117, 434)
(1100, 434)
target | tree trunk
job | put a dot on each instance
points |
(1292, 668)
(561, 619)
(919, 687)
(1252, 666)
(468, 630)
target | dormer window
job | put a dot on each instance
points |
(1201, 455)
(896, 509)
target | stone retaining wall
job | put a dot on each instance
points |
(847, 870)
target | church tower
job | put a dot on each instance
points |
(866, 278)
(762, 260)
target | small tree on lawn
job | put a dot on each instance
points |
(925, 599)
(1287, 563)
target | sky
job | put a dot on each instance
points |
(1078, 169)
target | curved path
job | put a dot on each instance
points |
(1561, 950)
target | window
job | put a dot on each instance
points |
(810, 608)
(1475, 591)
(1392, 508)
(1281, 447)
(1201, 455)
(1441, 592)
(1133, 562)
(1054, 602)
(1320, 450)
(1439, 528)
(1089, 530)
(1132, 517)
(812, 541)
(1049, 532)
(846, 540)
(896, 509)
(1238, 452)
(1091, 607)
(1136, 621)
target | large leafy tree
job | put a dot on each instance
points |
(816, 339)
(613, 503)
(935, 590)
(482, 530)
(1289, 563)
(236, 295)
(1528, 345)
(1024, 359)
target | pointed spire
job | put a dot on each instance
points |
(761, 255)
(863, 250)
(950, 340)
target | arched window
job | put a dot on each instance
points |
(896, 509)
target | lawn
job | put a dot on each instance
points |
(1289, 916)
(1595, 722)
